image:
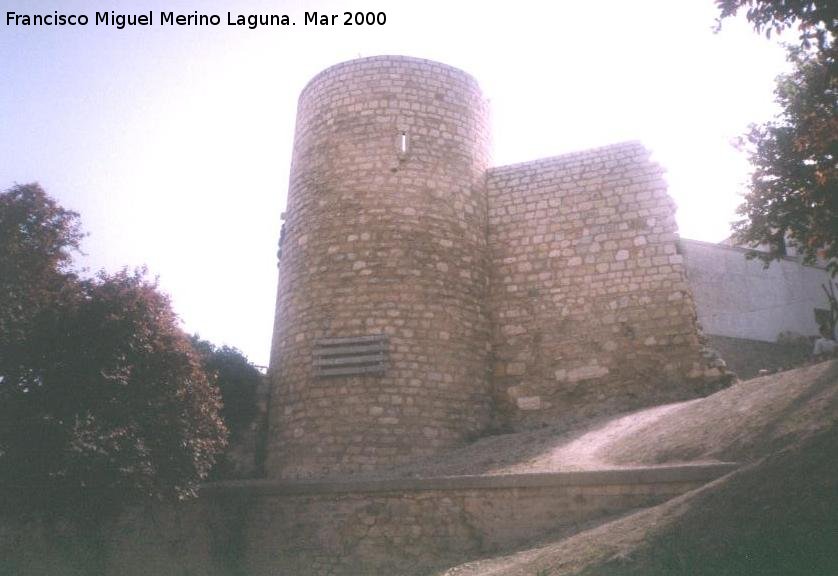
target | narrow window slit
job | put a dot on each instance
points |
(403, 143)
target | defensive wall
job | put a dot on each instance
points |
(381, 342)
(426, 298)
(591, 309)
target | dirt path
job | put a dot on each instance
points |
(782, 428)
(585, 452)
(739, 424)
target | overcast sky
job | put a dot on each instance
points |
(174, 143)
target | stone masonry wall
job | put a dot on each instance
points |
(411, 533)
(385, 234)
(592, 312)
(407, 527)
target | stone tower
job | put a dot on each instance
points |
(380, 351)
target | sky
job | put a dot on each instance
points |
(174, 143)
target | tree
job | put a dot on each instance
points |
(815, 19)
(103, 401)
(793, 193)
(37, 241)
(237, 380)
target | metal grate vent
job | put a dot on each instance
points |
(351, 355)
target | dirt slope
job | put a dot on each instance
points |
(741, 423)
(777, 515)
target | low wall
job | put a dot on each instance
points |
(396, 527)
(409, 527)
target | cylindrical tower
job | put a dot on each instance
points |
(381, 336)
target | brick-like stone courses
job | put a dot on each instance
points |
(592, 313)
(382, 239)
(407, 527)
(413, 532)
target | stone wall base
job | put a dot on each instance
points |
(402, 527)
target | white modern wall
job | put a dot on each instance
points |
(740, 298)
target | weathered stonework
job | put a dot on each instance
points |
(415, 528)
(540, 292)
(385, 234)
(408, 527)
(425, 298)
(592, 311)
